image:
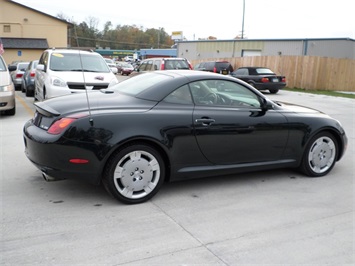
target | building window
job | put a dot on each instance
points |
(7, 28)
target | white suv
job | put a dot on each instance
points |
(65, 71)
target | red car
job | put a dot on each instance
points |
(124, 68)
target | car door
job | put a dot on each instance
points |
(236, 129)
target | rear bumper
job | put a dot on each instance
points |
(51, 154)
(270, 86)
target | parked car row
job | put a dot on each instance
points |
(60, 72)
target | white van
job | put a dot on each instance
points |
(7, 89)
(65, 71)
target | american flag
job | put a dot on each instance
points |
(1, 47)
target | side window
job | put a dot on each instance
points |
(156, 64)
(149, 66)
(143, 66)
(181, 95)
(223, 93)
(242, 71)
(44, 60)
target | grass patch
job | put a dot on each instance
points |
(323, 92)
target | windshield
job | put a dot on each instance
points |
(78, 62)
(134, 86)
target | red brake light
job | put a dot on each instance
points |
(32, 74)
(283, 80)
(215, 70)
(162, 66)
(78, 161)
(264, 80)
(58, 126)
(19, 75)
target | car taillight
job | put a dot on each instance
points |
(78, 161)
(32, 74)
(60, 125)
(264, 80)
(19, 75)
(283, 80)
(215, 70)
(162, 66)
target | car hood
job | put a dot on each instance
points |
(97, 101)
(296, 108)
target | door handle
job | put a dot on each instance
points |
(205, 121)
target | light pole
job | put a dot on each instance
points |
(243, 19)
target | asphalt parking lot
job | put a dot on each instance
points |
(272, 217)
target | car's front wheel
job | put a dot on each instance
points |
(320, 155)
(134, 174)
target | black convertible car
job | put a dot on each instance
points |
(173, 125)
(261, 78)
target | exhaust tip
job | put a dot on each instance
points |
(49, 178)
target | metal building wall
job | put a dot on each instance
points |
(207, 49)
(330, 48)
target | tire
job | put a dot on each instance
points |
(273, 91)
(29, 93)
(251, 84)
(23, 89)
(134, 174)
(320, 155)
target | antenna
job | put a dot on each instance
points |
(91, 120)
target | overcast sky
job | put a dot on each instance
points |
(271, 19)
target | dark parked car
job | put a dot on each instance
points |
(261, 78)
(221, 67)
(173, 125)
(28, 79)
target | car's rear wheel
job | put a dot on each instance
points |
(320, 155)
(29, 92)
(273, 91)
(134, 174)
(23, 88)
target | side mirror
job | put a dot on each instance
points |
(11, 68)
(265, 104)
(40, 67)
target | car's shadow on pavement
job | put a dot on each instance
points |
(80, 192)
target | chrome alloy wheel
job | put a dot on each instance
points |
(321, 155)
(136, 174)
